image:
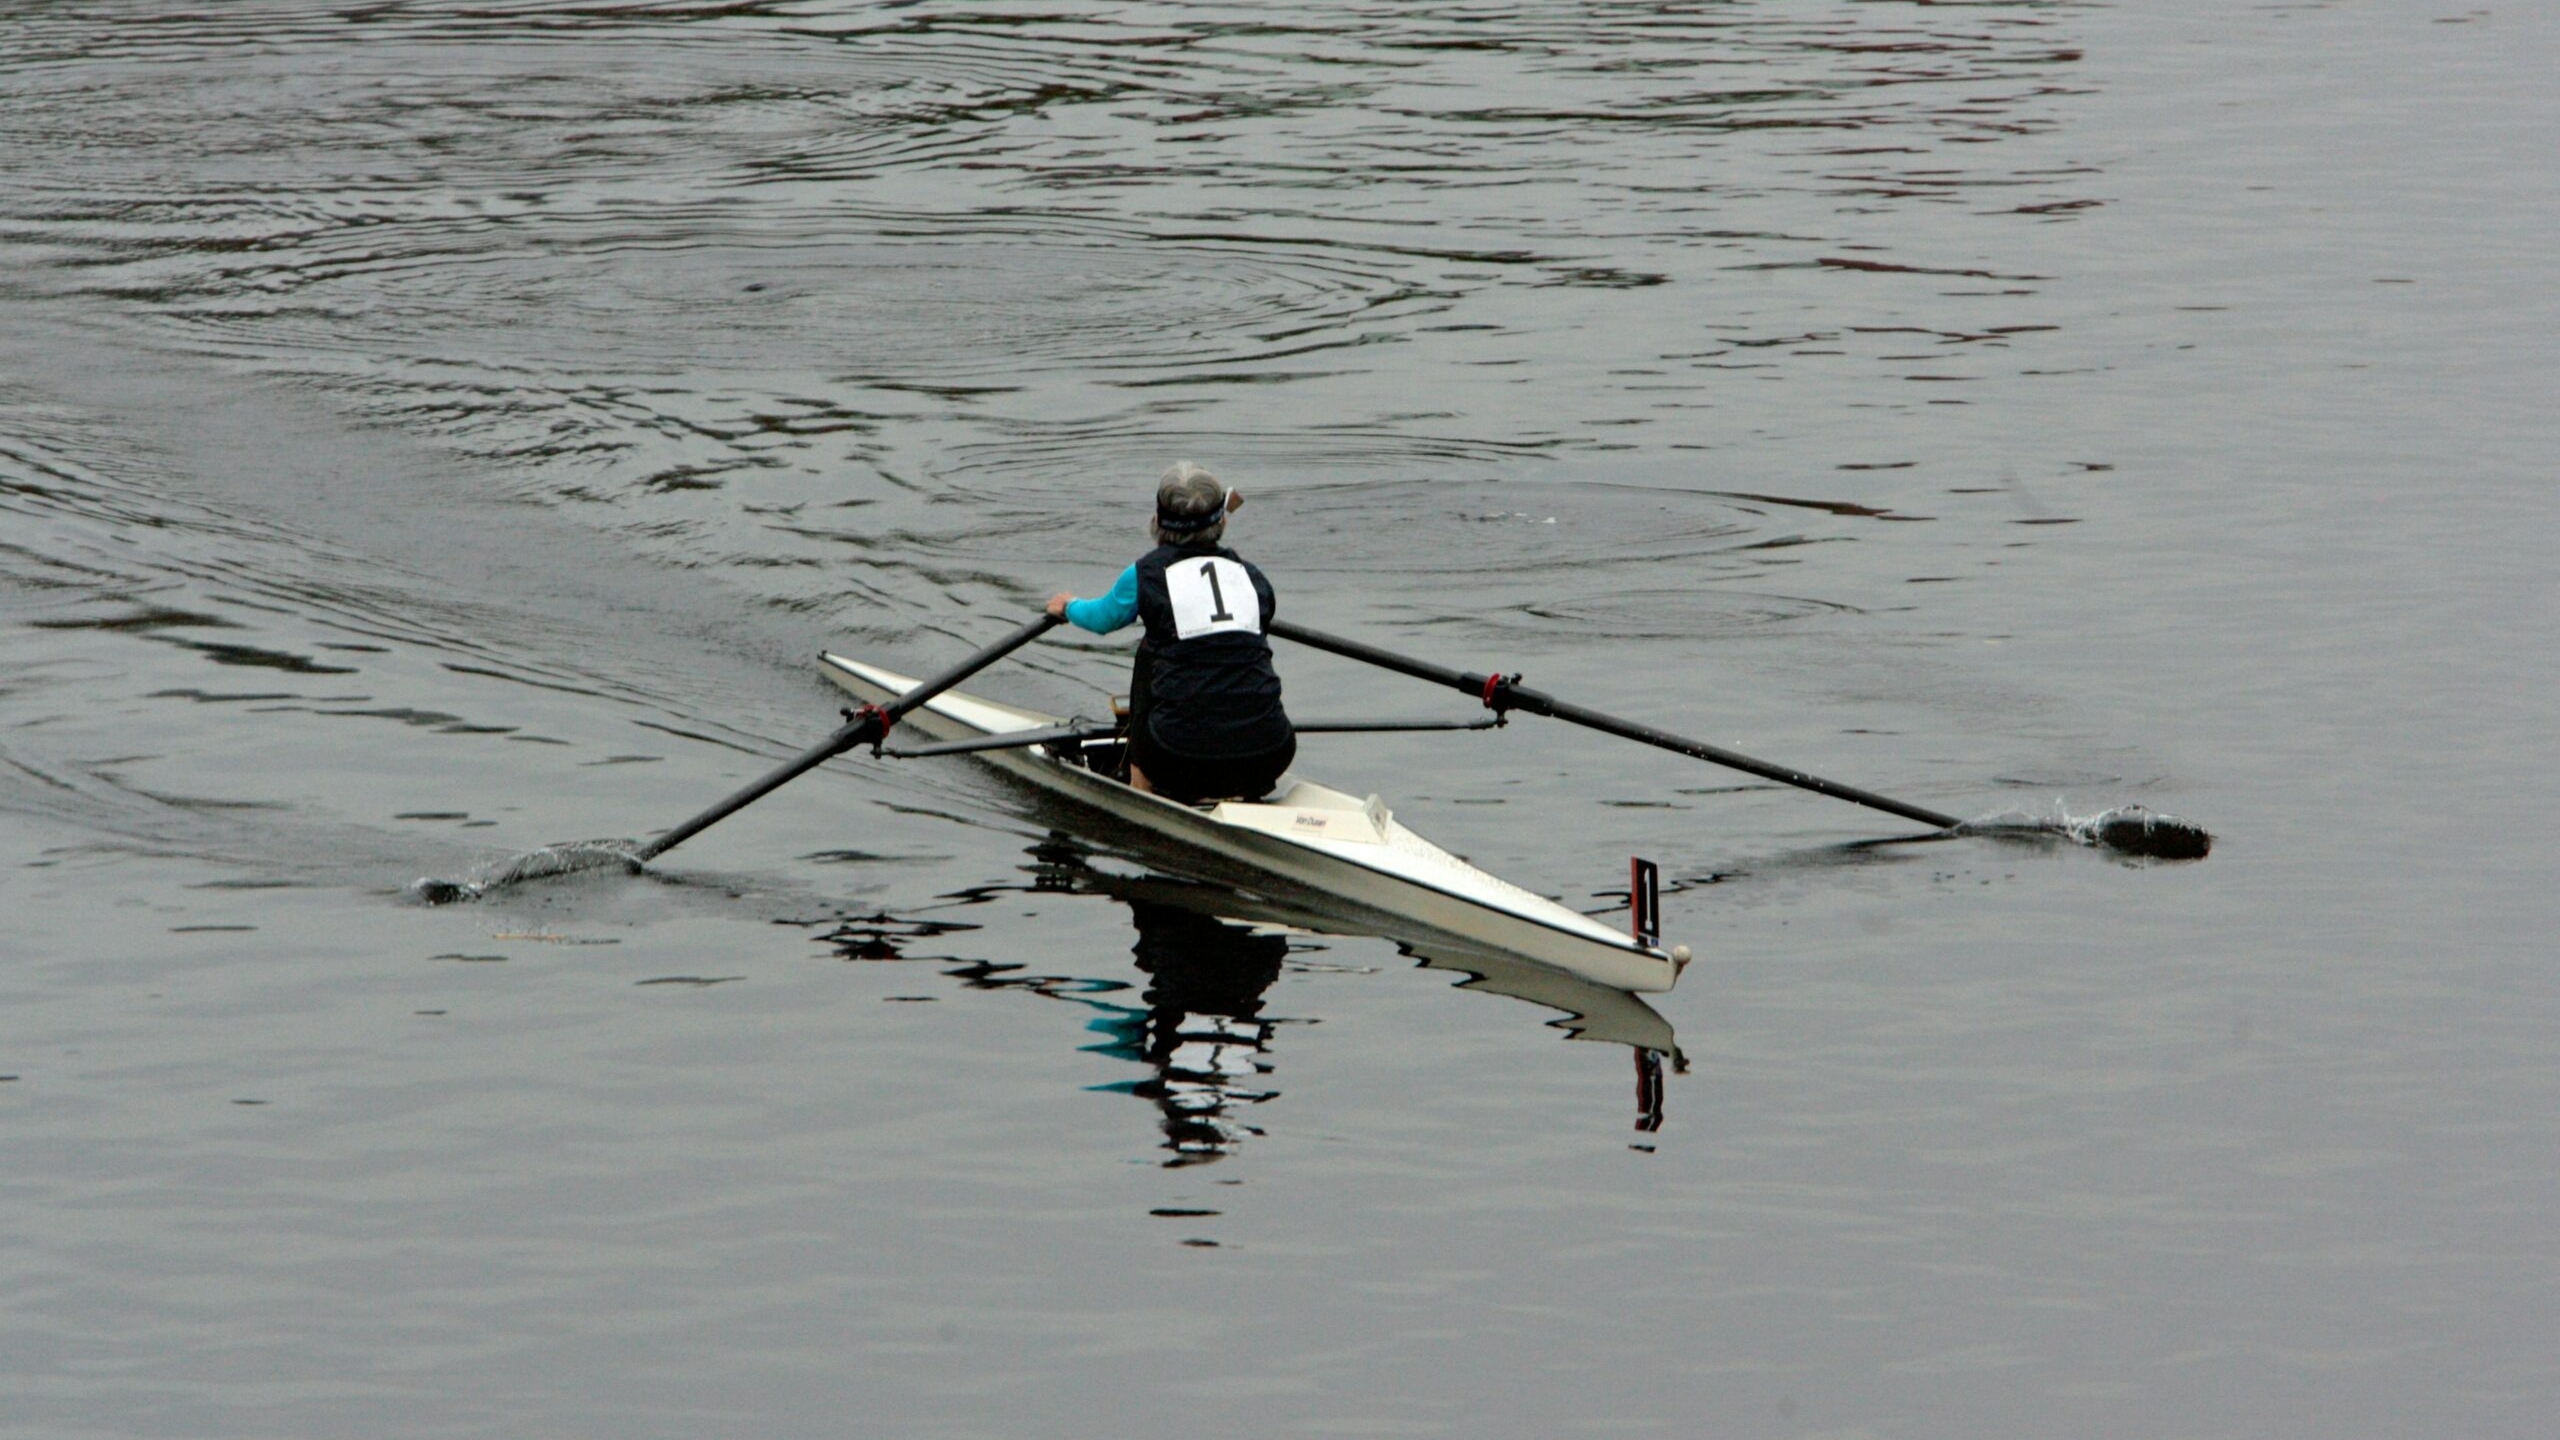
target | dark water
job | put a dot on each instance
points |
(428, 431)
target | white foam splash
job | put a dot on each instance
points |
(559, 859)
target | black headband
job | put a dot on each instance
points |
(1186, 524)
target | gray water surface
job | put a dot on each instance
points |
(429, 431)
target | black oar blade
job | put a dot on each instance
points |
(2136, 831)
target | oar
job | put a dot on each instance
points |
(1074, 733)
(1068, 734)
(861, 727)
(2146, 834)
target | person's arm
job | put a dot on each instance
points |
(1104, 613)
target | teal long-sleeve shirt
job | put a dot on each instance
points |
(1106, 613)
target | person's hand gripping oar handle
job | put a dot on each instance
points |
(1499, 692)
(862, 727)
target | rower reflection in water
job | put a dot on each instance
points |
(1200, 1027)
(1202, 1032)
(1209, 955)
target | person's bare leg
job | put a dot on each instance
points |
(1138, 779)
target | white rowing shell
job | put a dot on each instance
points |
(1347, 847)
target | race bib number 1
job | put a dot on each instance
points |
(1212, 596)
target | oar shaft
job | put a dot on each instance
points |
(1380, 727)
(1733, 760)
(1008, 740)
(1022, 739)
(927, 689)
(1383, 659)
(864, 728)
(1499, 692)
(859, 731)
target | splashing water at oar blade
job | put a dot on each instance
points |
(2130, 828)
(2126, 829)
(550, 860)
(863, 727)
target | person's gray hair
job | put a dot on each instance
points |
(1189, 493)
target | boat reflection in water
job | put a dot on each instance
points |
(1210, 953)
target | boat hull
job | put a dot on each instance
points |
(1326, 842)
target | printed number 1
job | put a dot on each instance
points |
(1217, 596)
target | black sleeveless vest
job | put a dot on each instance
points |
(1206, 687)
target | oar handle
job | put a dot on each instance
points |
(1502, 693)
(865, 727)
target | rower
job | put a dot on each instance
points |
(1205, 720)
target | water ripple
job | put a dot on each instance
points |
(883, 315)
